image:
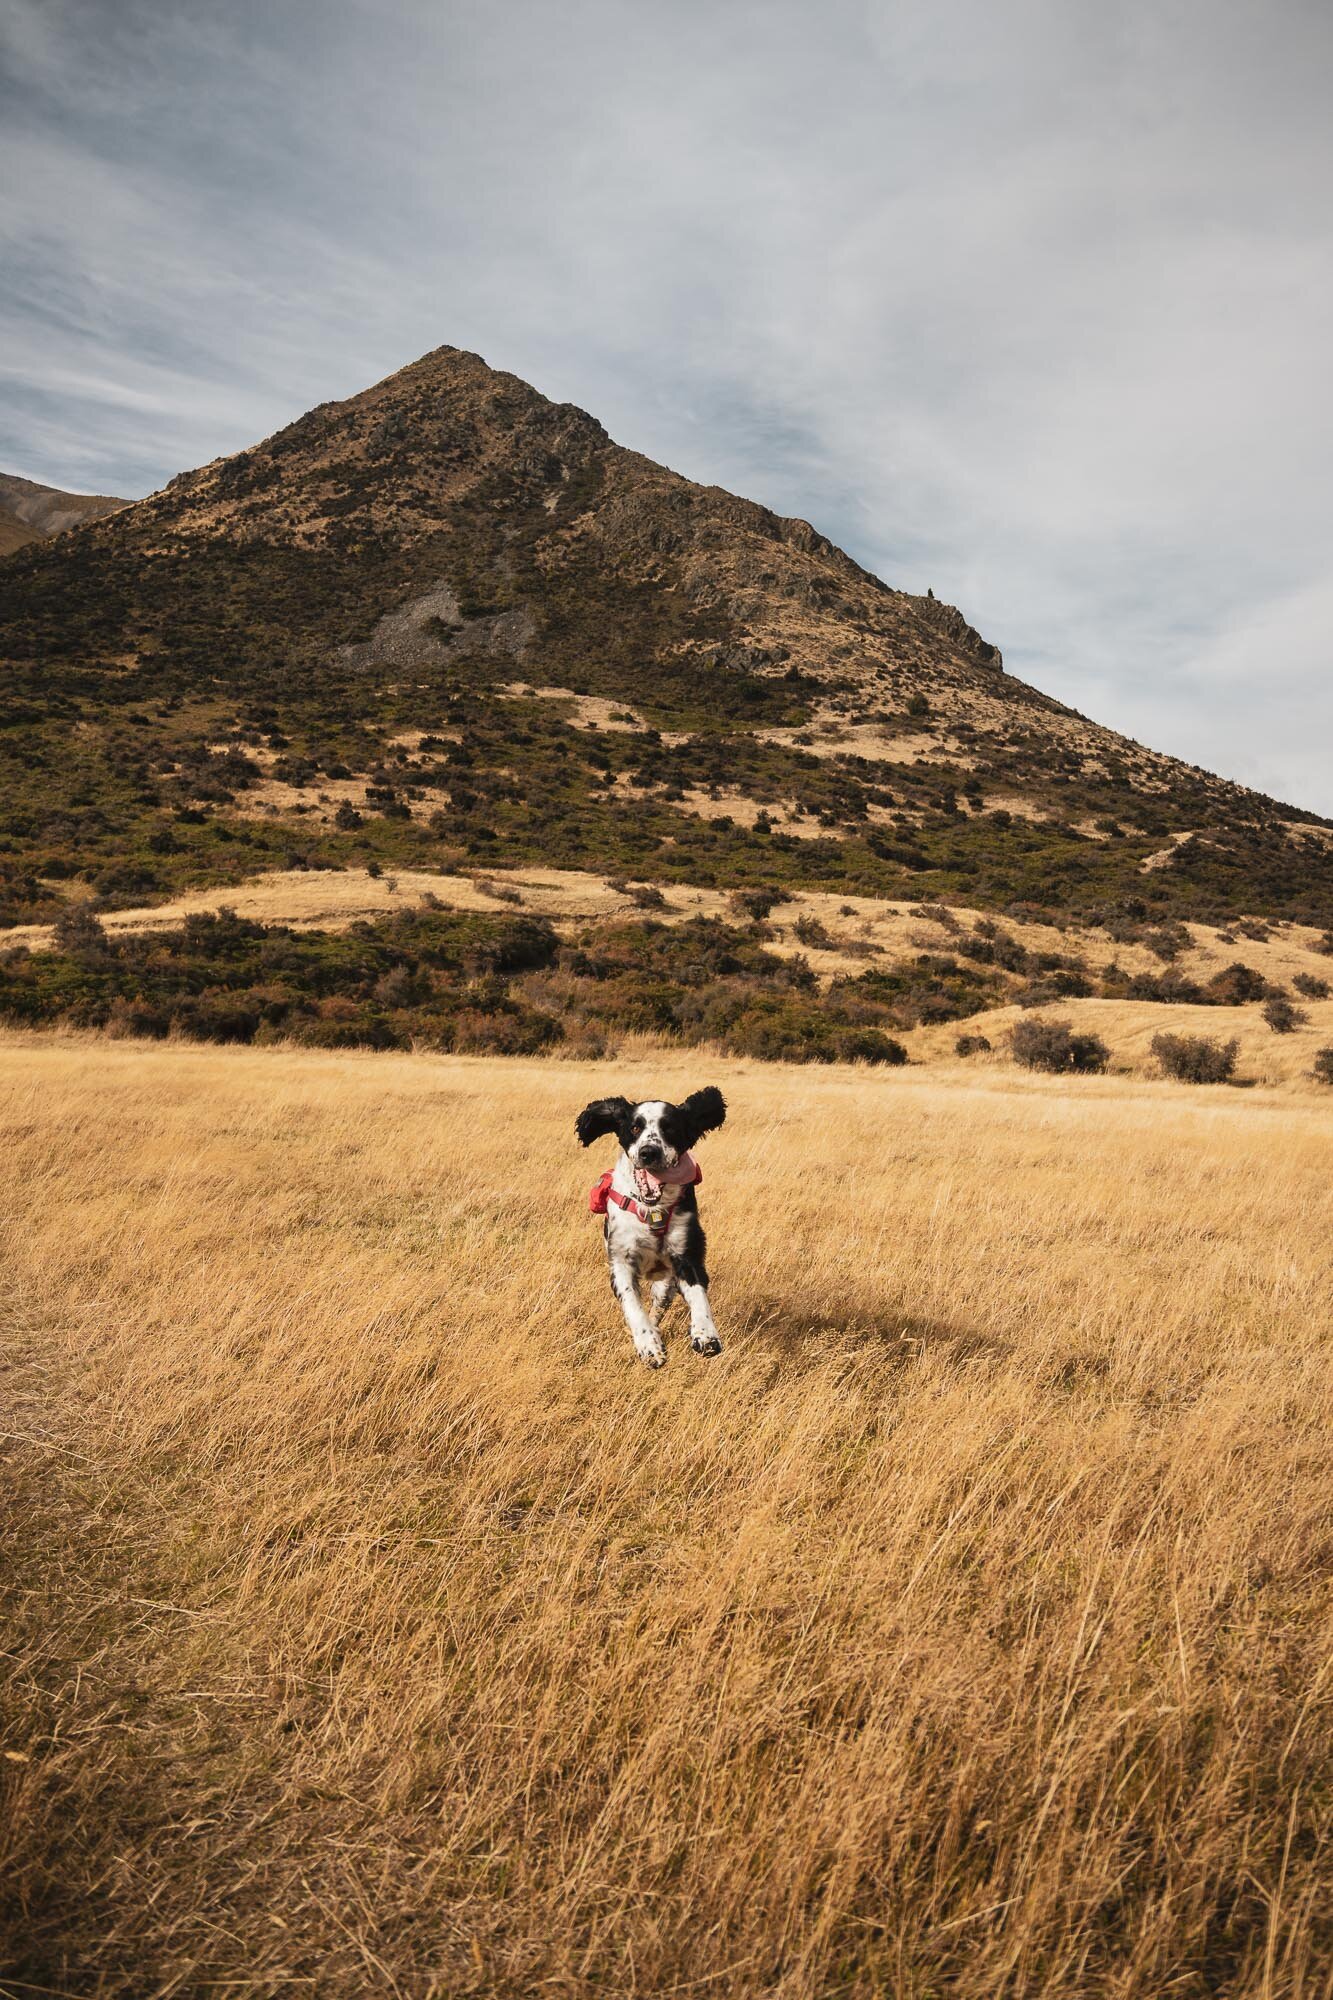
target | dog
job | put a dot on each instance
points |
(652, 1226)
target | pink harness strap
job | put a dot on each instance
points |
(686, 1173)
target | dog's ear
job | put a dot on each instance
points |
(604, 1114)
(703, 1111)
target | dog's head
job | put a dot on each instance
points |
(654, 1134)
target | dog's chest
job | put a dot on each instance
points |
(646, 1247)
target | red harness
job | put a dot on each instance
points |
(657, 1218)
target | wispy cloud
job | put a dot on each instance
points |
(1025, 299)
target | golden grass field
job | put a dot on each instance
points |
(376, 1625)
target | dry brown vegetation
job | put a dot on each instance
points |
(376, 1625)
(334, 898)
(854, 933)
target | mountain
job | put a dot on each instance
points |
(450, 618)
(29, 513)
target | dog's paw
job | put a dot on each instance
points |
(651, 1351)
(706, 1343)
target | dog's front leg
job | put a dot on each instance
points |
(662, 1294)
(693, 1281)
(625, 1284)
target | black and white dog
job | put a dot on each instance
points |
(652, 1226)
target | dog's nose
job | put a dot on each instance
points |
(650, 1156)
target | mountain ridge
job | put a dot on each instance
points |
(610, 663)
(31, 512)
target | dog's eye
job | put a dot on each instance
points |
(639, 1124)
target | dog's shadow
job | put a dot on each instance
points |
(800, 1329)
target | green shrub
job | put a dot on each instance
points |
(1235, 986)
(78, 929)
(216, 1017)
(137, 1018)
(1281, 1016)
(1053, 1046)
(1049, 986)
(1169, 941)
(1169, 988)
(501, 892)
(1195, 1058)
(757, 903)
(869, 1045)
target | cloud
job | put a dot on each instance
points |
(1026, 300)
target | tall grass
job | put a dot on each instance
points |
(378, 1625)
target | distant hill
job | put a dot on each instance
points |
(30, 513)
(449, 621)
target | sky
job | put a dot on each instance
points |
(1027, 301)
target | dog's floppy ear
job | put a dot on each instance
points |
(704, 1111)
(604, 1114)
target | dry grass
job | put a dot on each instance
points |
(331, 899)
(1128, 1026)
(378, 1626)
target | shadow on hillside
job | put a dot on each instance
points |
(800, 1329)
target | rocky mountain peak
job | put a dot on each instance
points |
(624, 663)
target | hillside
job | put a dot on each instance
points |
(450, 622)
(31, 513)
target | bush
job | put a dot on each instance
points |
(757, 903)
(1281, 1016)
(1312, 988)
(1054, 986)
(869, 1045)
(1322, 1070)
(1053, 1046)
(521, 944)
(137, 1017)
(1195, 1058)
(1169, 941)
(1169, 988)
(972, 1045)
(1235, 986)
(79, 929)
(501, 892)
(216, 1017)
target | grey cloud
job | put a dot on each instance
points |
(1027, 301)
